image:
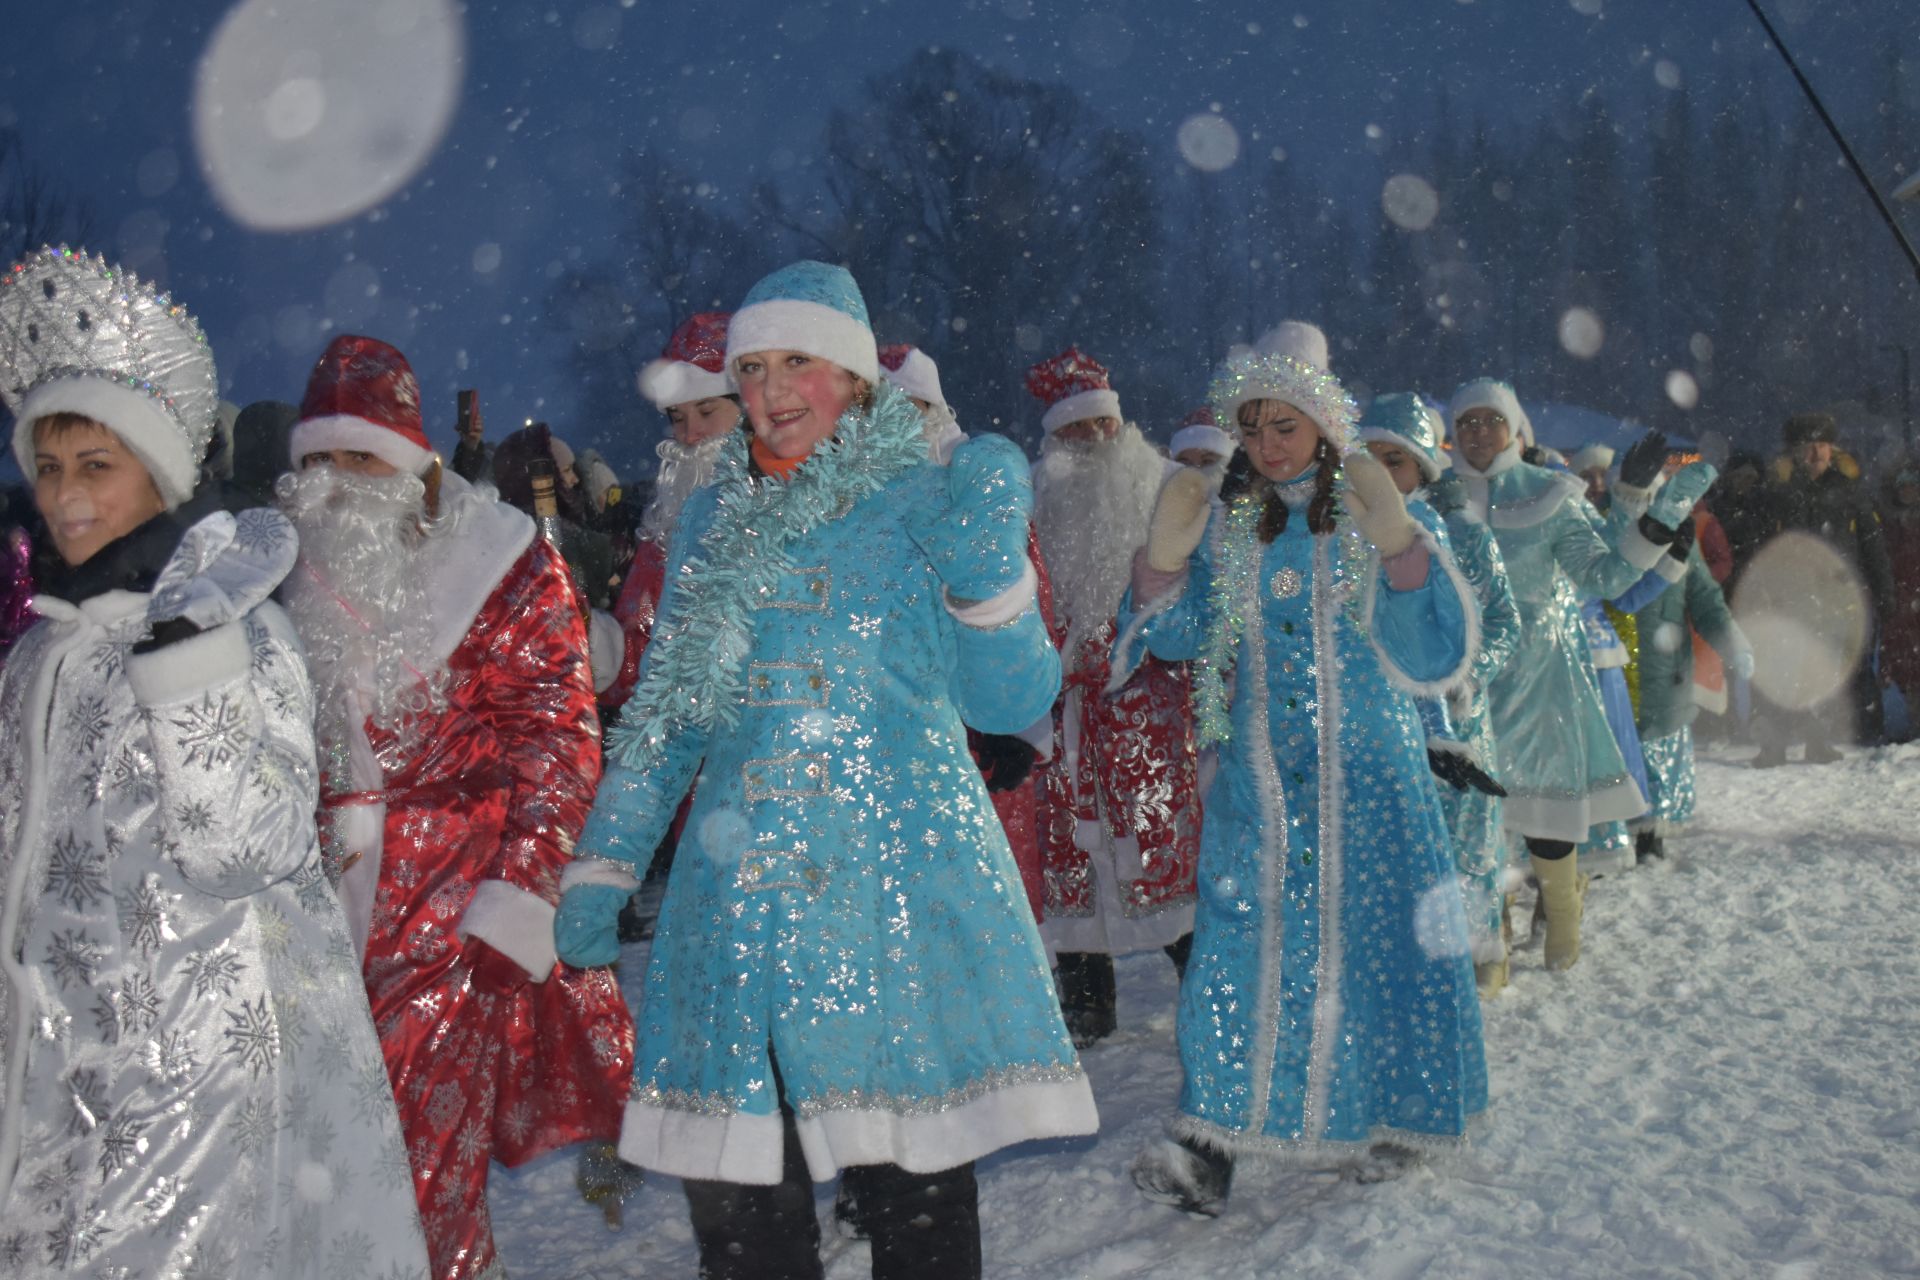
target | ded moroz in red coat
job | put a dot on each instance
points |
(480, 815)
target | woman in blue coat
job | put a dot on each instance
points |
(845, 973)
(1328, 1007)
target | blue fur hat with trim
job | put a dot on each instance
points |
(1404, 420)
(810, 307)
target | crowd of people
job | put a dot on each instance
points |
(331, 774)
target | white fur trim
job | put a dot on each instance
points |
(1126, 659)
(148, 431)
(1202, 436)
(1638, 550)
(983, 615)
(792, 324)
(1671, 569)
(470, 561)
(1594, 456)
(344, 431)
(1297, 340)
(919, 377)
(606, 648)
(747, 1148)
(608, 871)
(670, 382)
(517, 924)
(1428, 466)
(1469, 607)
(178, 671)
(1039, 736)
(1100, 402)
(1489, 393)
(1555, 818)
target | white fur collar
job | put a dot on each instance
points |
(466, 563)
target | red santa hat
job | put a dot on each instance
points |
(1074, 387)
(694, 365)
(362, 396)
(913, 371)
(1198, 431)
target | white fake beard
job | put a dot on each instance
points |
(1093, 504)
(359, 598)
(683, 469)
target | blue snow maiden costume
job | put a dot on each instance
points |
(1330, 997)
(843, 901)
(1460, 720)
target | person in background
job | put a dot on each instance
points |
(1199, 442)
(1900, 630)
(1120, 800)
(455, 713)
(472, 455)
(1592, 463)
(260, 448)
(205, 1108)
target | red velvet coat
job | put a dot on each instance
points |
(634, 611)
(492, 795)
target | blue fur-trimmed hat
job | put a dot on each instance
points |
(811, 307)
(1404, 420)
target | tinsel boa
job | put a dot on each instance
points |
(693, 667)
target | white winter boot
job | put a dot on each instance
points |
(1563, 897)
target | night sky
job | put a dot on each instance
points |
(457, 266)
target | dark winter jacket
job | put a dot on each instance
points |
(589, 554)
(473, 461)
(1837, 510)
(1665, 629)
(1749, 518)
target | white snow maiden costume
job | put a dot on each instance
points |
(192, 1085)
(843, 901)
(1329, 1000)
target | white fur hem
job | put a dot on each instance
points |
(747, 1148)
(1469, 609)
(606, 648)
(175, 672)
(1099, 402)
(1128, 654)
(1551, 818)
(1313, 1151)
(791, 324)
(1039, 736)
(999, 610)
(148, 431)
(344, 431)
(513, 922)
(607, 871)
(671, 382)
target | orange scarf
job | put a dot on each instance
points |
(780, 468)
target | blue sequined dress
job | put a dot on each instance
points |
(1330, 996)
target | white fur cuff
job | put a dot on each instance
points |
(175, 672)
(513, 922)
(1671, 569)
(1097, 403)
(607, 871)
(983, 615)
(1637, 551)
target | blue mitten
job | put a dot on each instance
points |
(586, 928)
(978, 543)
(1741, 664)
(1676, 498)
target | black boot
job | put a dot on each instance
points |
(1648, 845)
(758, 1233)
(1087, 996)
(1178, 951)
(924, 1226)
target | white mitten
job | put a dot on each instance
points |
(1375, 505)
(223, 568)
(1179, 519)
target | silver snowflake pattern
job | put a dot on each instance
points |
(143, 917)
(213, 733)
(14, 1249)
(351, 1254)
(169, 1056)
(73, 956)
(214, 972)
(134, 778)
(446, 1105)
(166, 1204)
(106, 1015)
(139, 1003)
(292, 1023)
(261, 532)
(122, 1144)
(311, 889)
(245, 871)
(254, 1126)
(276, 933)
(254, 1037)
(193, 818)
(212, 1260)
(87, 720)
(74, 1240)
(77, 872)
(54, 1183)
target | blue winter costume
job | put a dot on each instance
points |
(1329, 999)
(843, 902)
(1460, 720)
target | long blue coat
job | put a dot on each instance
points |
(1330, 996)
(843, 901)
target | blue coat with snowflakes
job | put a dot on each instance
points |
(1329, 998)
(843, 900)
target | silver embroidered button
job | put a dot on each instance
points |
(1285, 584)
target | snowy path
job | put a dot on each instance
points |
(1727, 1086)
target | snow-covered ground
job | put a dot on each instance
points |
(1728, 1085)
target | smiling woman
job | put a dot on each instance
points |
(89, 487)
